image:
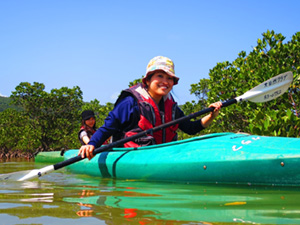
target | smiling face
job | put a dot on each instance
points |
(159, 85)
(90, 122)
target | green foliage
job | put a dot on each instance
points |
(135, 82)
(15, 132)
(276, 123)
(270, 57)
(200, 89)
(101, 111)
(5, 103)
(53, 116)
(47, 121)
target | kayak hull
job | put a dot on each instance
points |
(49, 157)
(216, 158)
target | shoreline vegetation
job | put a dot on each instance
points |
(15, 154)
(33, 120)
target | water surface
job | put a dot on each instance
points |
(65, 198)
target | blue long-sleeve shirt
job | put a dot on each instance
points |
(125, 116)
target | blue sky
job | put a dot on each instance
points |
(101, 46)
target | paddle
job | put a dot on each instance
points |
(264, 92)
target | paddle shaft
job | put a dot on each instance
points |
(141, 134)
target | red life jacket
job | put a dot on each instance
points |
(151, 116)
(89, 132)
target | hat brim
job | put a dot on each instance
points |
(88, 117)
(162, 69)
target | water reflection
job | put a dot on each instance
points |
(112, 200)
(61, 196)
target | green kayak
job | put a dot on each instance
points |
(215, 158)
(49, 157)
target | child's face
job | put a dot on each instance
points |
(160, 84)
(90, 122)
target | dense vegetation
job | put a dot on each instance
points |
(50, 121)
(270, 57)
(5, 103)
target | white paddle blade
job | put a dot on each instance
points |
(269, 89)
(26, 175)
(37, 173)
(13, 176)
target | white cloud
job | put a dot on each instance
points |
(1, 95)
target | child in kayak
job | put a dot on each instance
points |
(88, 126)
(147, 105)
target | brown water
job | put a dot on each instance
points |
(64, 198)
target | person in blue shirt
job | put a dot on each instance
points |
(147, 105)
